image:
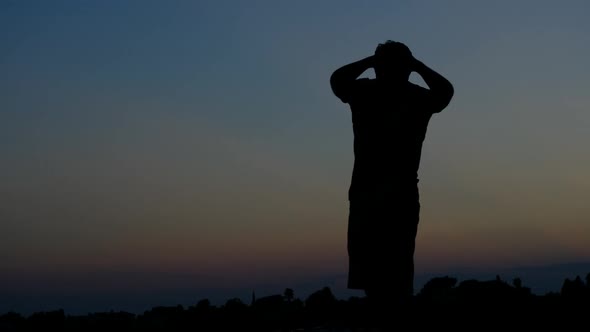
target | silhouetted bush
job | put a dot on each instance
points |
(441, 301)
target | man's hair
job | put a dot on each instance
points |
(391, 47)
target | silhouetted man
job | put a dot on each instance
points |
(389, 116)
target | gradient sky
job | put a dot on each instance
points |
(197, 144)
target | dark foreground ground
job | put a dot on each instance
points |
(441, 305)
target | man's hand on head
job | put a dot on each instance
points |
(415, 64)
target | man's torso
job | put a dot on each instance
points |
(389, 125)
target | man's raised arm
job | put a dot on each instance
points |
(441, 90)
(343, 78)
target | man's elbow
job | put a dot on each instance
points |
(449, 94)
(444, 98)
(335, 81)
(337, 85)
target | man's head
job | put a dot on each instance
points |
(393, 61)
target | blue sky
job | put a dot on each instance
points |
(201, 138)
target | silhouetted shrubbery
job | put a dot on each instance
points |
(441, 301)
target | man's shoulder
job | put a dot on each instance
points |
(361, 89)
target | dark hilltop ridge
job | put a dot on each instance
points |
(443, 302)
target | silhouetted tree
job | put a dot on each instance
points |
(573, 290)
(235, 313)
(202, 316)
(41, 320)
(202, 308)
(270, 302)
(321, 305)
(289, 294)
(321, 299)
(163, 317)
(438, 289)
(488, 294)
(517, 283)
(494, 301)
(12, 321)
(203, 304)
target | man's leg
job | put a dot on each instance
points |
(390, 289)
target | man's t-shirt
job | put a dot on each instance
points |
(389, 124)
